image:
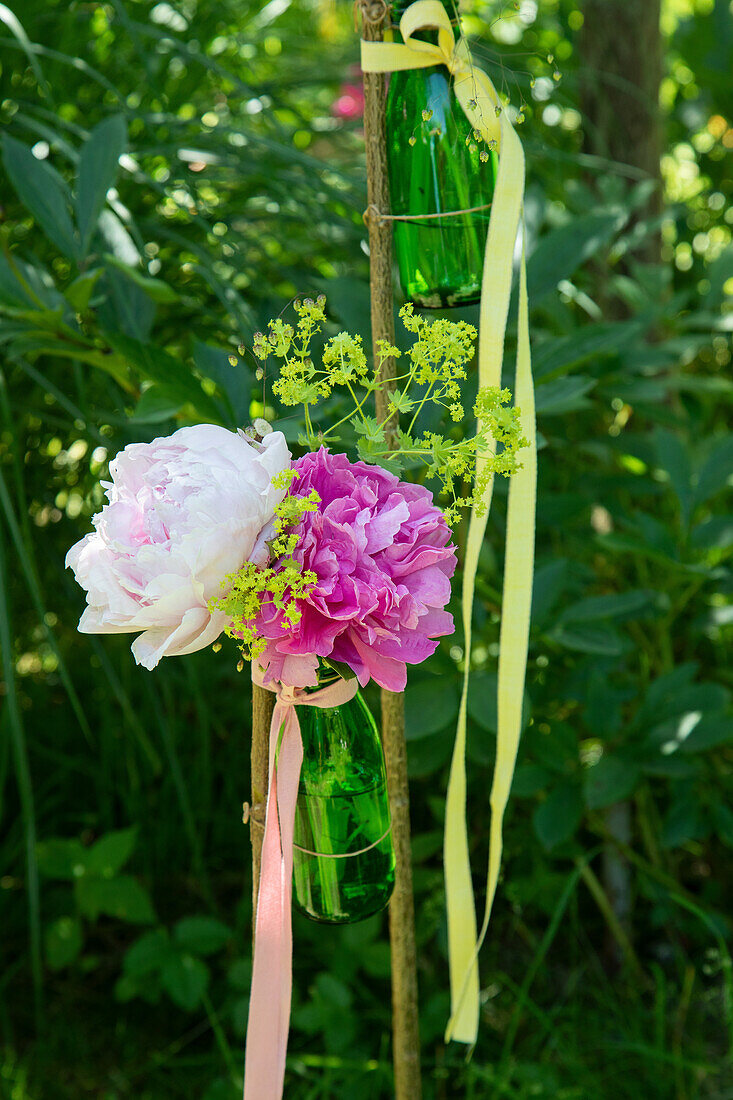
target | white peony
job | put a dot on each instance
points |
(184, 511)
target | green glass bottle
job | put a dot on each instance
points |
(436, 166)
(342, 809)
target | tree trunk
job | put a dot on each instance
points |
(621, 52)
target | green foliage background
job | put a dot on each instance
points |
(124, 289)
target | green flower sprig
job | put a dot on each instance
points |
(436, 366)
(284, 582)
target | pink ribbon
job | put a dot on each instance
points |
(269, 1002)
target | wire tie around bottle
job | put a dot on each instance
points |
(372, 11)
(252, 814)
(373, 212)
(248, 817)
(377, 11)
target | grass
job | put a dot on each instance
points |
(579, 1037)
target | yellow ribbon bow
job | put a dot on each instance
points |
(484, 110)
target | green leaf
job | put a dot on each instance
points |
(117, 237)
(685, 706)
(722, 816)
(239, 974)
(43, 192)
(156, 404)
(558, 355)
(98, 164)
(662, 691)
(401, 402)
(685, 821)
(604, 701)
(620, 605)
(426, 845)
(156, 289)
(556, 748)
(480, 746)
(671, 767)
(58, 858)
(157, 365)
(617, 541)
(79, 294)
(328, 1013)
(371, 429)
(185, 979)
(603, 640)
(31, 51)
(221, 1089)
(233, 383)
(430, 706)
(348, 300)
(427, 755)
(708, 733)
(550, 581)
(557, 818)
(201, 935)
(63, 942)
(610, 780)
(148, 953)
(111, 852)
(562, 251)
(147, 988)
(715, 533)
(126, 989)
(529, 780)
(125, 308)
(564, 395)
(561, 508)
(122, 897)
(12, 291)
(672, 457)
(340, 667)
(481, 703)
(717, 472)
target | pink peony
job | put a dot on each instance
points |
(184, 511)
(382, 555)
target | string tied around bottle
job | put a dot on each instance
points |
(249, 818)
(268, 1021)
(373, 213)
(485, 111)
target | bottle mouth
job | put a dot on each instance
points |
(330, 672)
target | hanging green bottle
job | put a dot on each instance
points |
(343, 859)
(436, 166)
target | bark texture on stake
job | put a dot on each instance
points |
(406, 1039)
(263, 703)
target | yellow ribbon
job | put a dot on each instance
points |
(483, 108)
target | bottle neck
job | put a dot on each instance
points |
(327, 675)
(399, 7)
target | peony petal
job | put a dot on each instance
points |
(382, 555)
(186, 637)
(184, 512)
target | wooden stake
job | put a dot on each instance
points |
(263, 703)
(405, 1033)
(406, 1039)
